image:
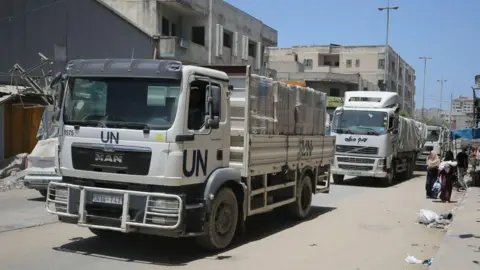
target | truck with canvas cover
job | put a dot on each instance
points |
(373, 140)
(157, 147)
(437, 140)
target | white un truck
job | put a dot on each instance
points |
(157, 147)
(437, 140)
(373, 140)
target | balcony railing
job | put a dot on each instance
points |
(182, 50)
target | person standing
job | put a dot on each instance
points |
(462, 161)
(447, 173)
(433, 161)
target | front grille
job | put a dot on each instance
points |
(356, 160)
(119, 161)
(429, 148)
(368, 150)
(355, 167)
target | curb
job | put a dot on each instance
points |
(452, 249)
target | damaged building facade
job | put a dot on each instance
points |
(334, 69)
(203, 32)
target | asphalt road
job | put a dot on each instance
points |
(356, 226)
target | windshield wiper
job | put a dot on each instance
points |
(348, 130)
(86, 122)
(369, 128)
(146, 128)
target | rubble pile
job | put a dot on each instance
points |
(11, 172)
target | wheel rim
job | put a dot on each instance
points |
(223, 219)
(306, 197)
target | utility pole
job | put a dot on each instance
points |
(425, 58)
(441, 81)
(451, 108)
(385, 75)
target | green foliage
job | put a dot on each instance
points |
(404, 113)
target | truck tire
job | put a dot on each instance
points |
(300, 209)
(390, 178)
(338, 179)
(222, 222)
(412, 169)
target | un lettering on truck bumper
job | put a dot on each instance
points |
(117, 210)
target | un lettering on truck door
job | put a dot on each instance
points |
(195, 162)
(109, 137)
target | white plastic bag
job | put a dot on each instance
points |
(427, 216)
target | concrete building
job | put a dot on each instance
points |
(194, 31)
(364, 64)
(463, 105)
(461, 120)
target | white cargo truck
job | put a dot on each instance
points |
(437, 140)
(157, 147)
(373, 140)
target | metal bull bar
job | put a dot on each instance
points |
(154, 210)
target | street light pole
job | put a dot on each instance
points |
(425, 58)
(386, 65)
(441, 81)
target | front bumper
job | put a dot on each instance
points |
(125, 210)
(375, 174)
(363, 166)
(40, 181)
(422, 159)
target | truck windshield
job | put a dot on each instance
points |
(135, 103)
(433, 136)
(360, 122)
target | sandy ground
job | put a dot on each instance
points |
(355, 227)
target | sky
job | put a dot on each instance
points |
(446, 30)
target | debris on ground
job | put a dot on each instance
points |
(12, 172)
(434, 220)
(412, 260)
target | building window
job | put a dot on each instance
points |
(165, 27)
(173, 32)
(349, 63)
(357, 63)
(308, 62)
(381, 63)
(252, 52)
(334, 92)
(198, 35)
(337, 64)
(227, 39)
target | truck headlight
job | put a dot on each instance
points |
(160, 205)
(381, 162)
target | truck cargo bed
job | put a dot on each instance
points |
(274, 125)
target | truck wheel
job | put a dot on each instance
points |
(107, 234)
(300, 209)
(390, 178)
(43, 192)
(222, 221)
(338, 179)
(412, 169)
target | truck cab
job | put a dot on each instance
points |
(437, 140)
(367, 131)
(137, 140)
